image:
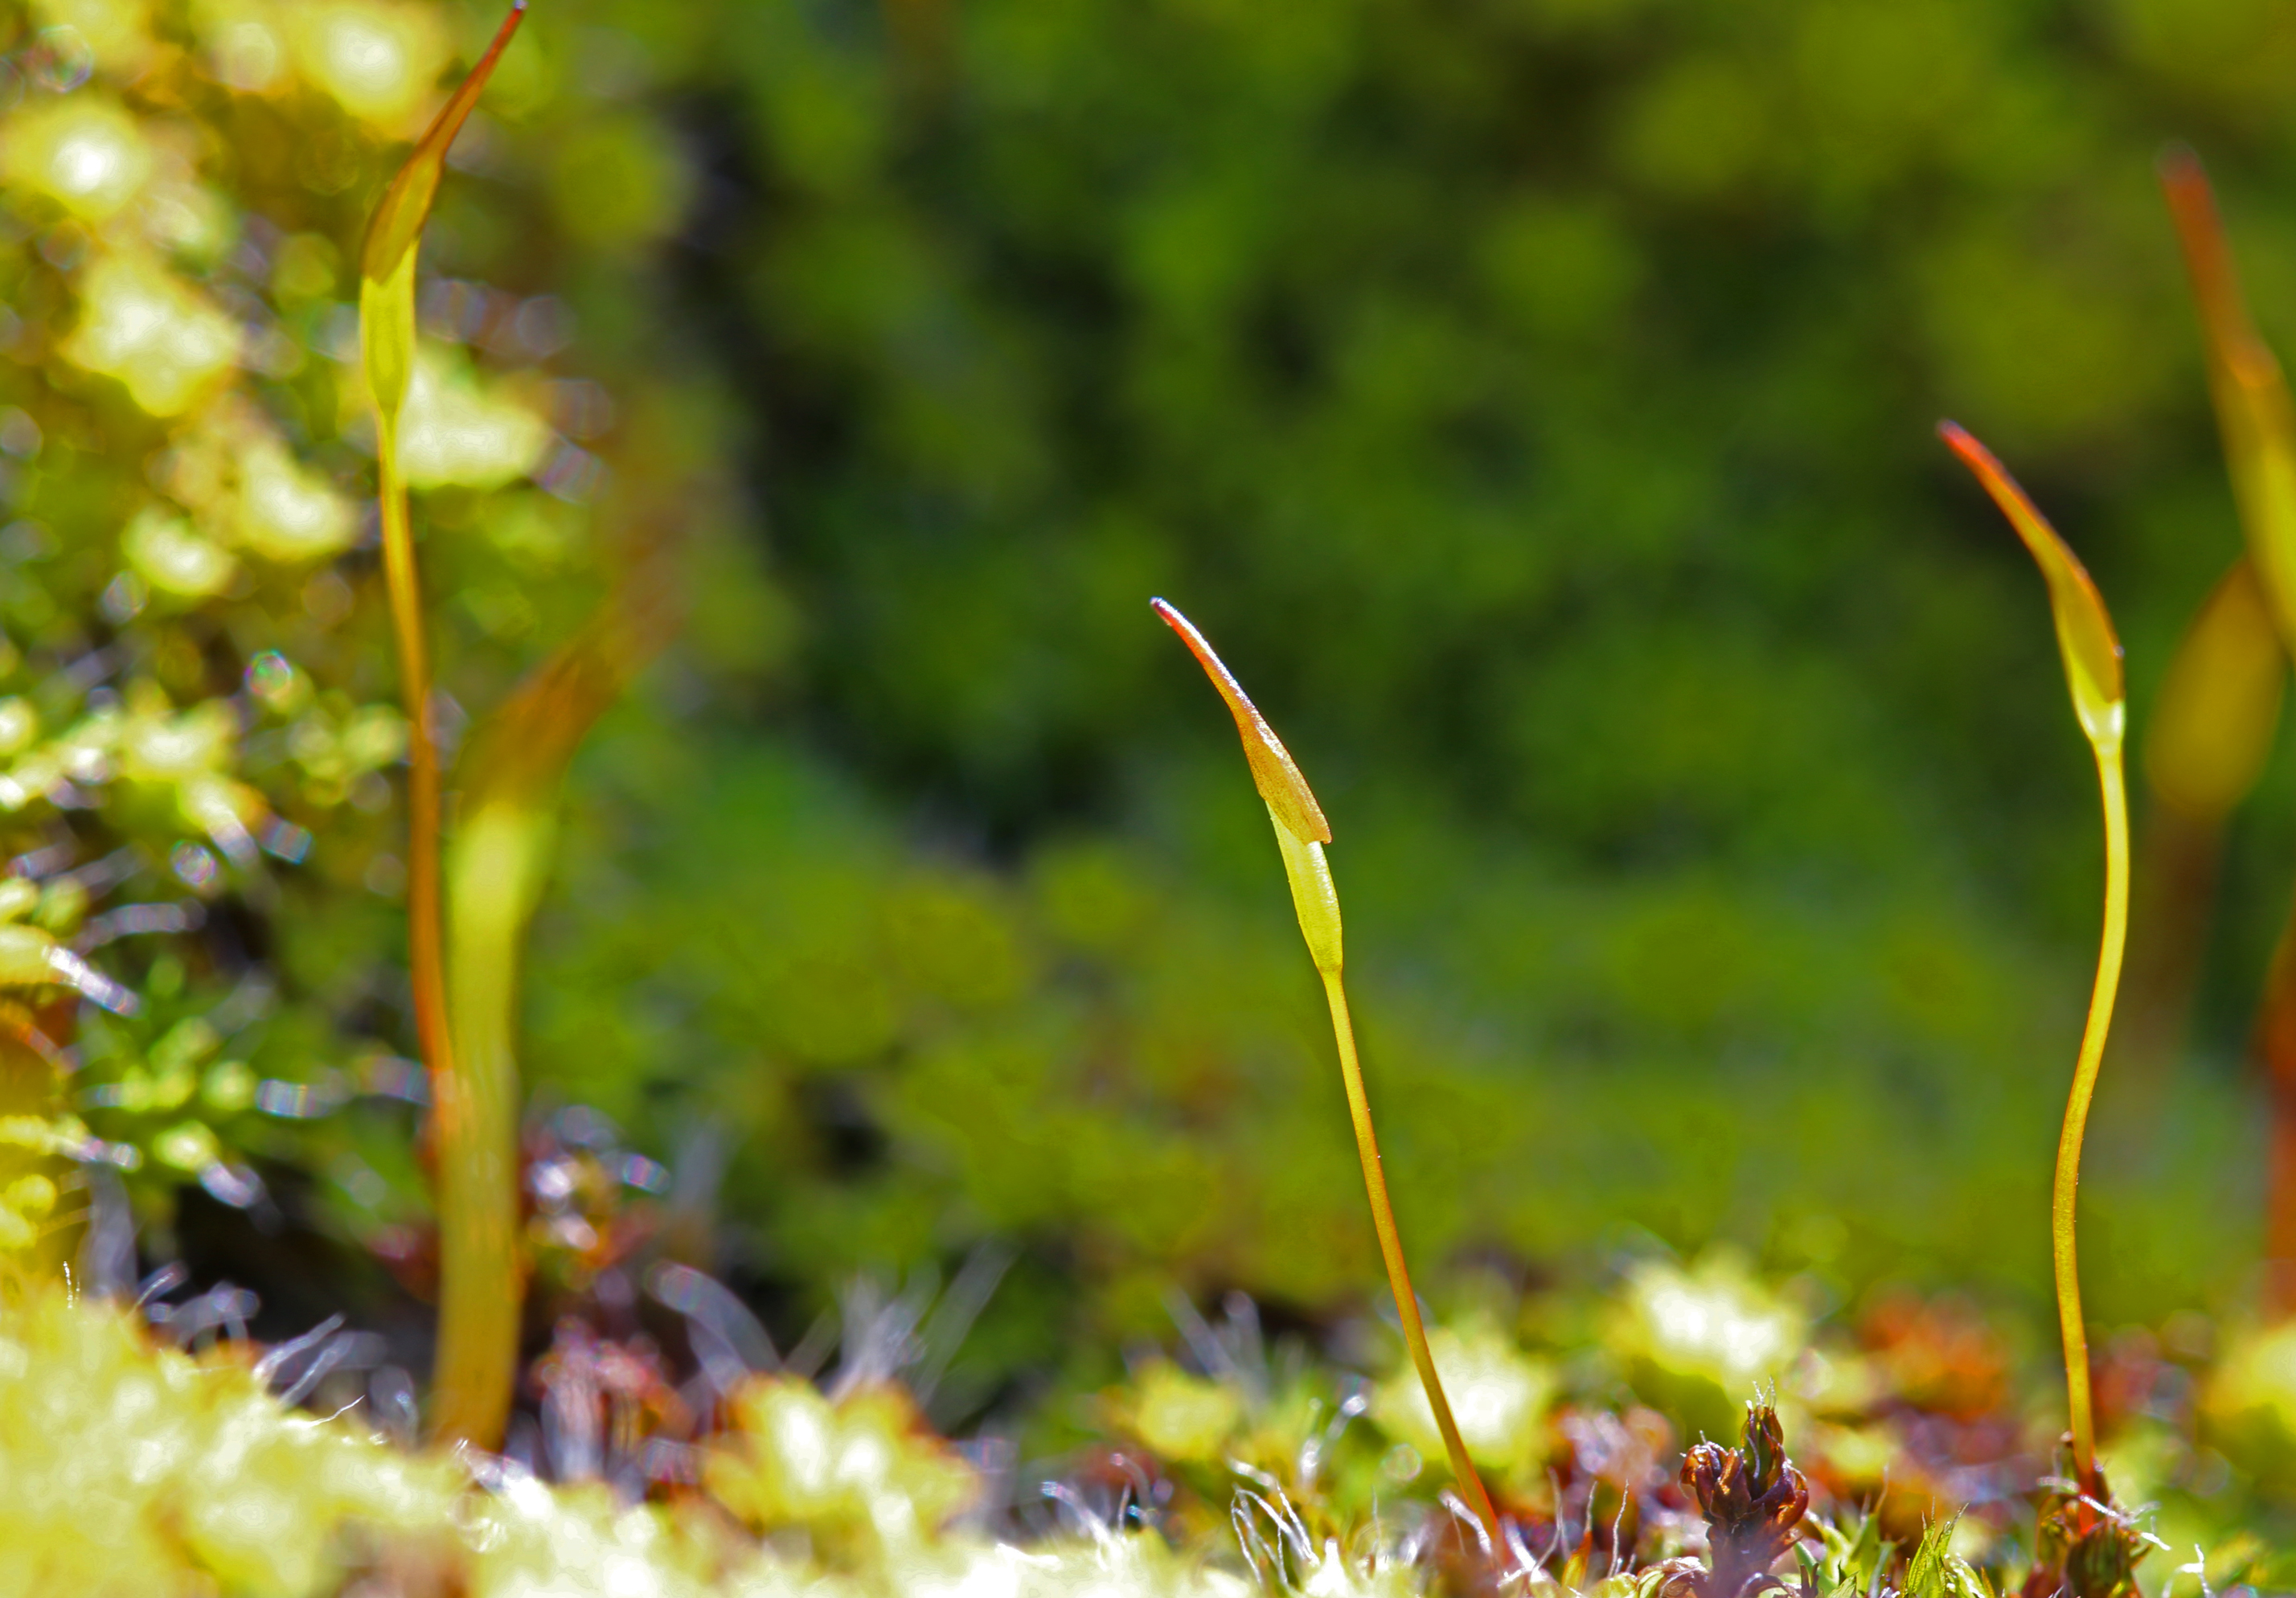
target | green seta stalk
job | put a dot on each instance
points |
(475, 1132)
(2092, 657)
(1300, 833)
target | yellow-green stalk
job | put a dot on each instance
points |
(1300, 833)
(474, 1133)
(2092, 657)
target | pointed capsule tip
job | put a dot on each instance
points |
(396, 224)
(1973, 454)
(1272, 770)
(1198, 645)
(2192, 201)
(2085, 630)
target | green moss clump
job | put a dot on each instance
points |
(125, 1468)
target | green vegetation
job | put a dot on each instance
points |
(718, 993)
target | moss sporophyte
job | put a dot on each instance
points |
(476, 1122)
(2091, 659)
(1300, 835)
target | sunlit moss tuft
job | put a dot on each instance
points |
(380, 61)
(1698, 1339)
(460, 431)
(85, 153)
(1181, 1415)
(172, 559)
(862, 1471)
(153, 332)
(129, 1470)
(285, 511)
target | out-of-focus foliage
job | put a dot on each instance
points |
(1548, 387)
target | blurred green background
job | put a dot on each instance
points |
(1532, 400)
(1535, 403)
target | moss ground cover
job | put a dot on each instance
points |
(1894, 1449)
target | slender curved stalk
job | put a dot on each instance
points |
(2062, 1194)
(475, 1131)
(1300, 833)
(425, 950)
(2092, 658)
(1390, 1253)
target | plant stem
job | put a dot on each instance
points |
(426, 950)
(1391, 1250)
(478, 1268)
(473, 1124)
(1301, 832)
(2114, 786)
